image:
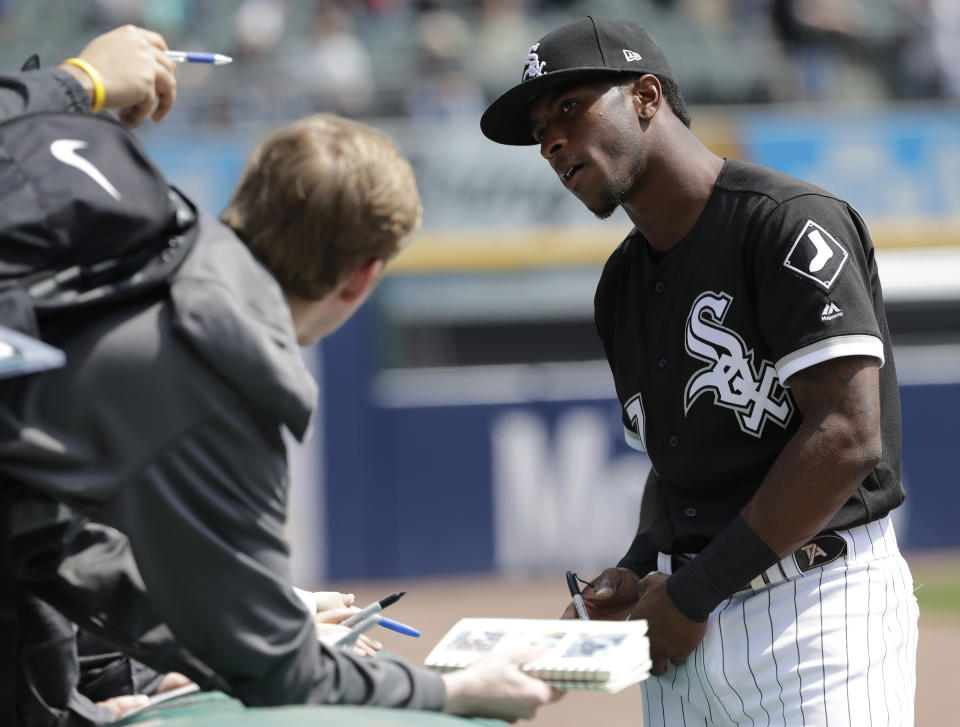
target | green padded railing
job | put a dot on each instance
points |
(214, 709)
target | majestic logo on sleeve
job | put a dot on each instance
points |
(533, 66)
(753, 393)
(816, 255)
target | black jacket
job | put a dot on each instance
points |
(166, 425)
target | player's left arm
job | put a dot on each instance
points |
(820, 315)
(836, 446)
(826, 459)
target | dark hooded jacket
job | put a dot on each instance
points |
(166, 424)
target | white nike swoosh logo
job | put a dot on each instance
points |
(65, 150)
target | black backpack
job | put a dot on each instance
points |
(85, 218)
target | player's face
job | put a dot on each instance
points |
(590, 134)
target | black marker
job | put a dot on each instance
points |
(577, 598)
(375, 607)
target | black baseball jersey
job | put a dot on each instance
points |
(776, 275)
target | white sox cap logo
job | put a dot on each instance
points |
(755, 395)
(533, 66)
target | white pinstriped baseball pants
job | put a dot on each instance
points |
(833, 647)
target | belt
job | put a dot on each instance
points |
(820, 551)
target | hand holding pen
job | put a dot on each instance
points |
(611, 596)
(350, 639)
(329, 609)
(368, 617)
(375, 608)
(333, 611)
(130, 69)
(126, 69)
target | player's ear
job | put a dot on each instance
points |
(361, 280)
(646, 95)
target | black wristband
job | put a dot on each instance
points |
(642, 556)
(732, 559)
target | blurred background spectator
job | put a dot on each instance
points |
(443, 86)
(392, 57)
(330, 63)
(930, 61)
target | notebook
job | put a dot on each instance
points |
(598, 655)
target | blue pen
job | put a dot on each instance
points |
(189, 56)
(400, 628)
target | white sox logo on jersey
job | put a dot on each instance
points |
(753, 393)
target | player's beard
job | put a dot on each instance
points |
(607, 206)
(619, 186)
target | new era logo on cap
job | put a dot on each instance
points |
(573, 53)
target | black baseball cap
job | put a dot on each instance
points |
(580, 50)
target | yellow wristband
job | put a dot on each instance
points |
(99, 93)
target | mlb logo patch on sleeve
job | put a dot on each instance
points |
(816, 255)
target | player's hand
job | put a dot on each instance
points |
(137, 77)
(673, 636)
(495, 687)
(612, 597)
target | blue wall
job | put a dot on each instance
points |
(412, 490)
(930, 450)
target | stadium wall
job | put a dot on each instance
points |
(437, 461)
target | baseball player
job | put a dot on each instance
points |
(743, 322)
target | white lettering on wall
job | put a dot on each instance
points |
(561, 498)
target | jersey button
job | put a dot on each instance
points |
(662, 363)
(658, 287)
(673, 441)
(690, 512)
